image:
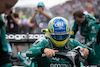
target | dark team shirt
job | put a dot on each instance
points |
(4, 57)
(12, 26)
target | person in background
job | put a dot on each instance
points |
(12, 25)
(32, 26)
(25, 22)
(89, 28)
(5, 7)
(88, 9)
(41, 17)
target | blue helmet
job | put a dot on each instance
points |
(40, 4)
(59, 31)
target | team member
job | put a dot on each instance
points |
(5, 6)
(88, 27)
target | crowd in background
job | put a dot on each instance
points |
(65, 10)
(70, 6)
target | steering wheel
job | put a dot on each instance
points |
(71, 56)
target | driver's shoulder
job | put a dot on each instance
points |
(43, 39)
(72, 41)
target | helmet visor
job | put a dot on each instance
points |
(59, 37)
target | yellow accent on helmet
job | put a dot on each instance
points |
(51, 24)
(59, 43)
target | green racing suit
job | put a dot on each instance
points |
(53, 62)
(4, 57)
(89, 29)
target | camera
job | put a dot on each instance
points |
(11, 12)
(39, 6)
